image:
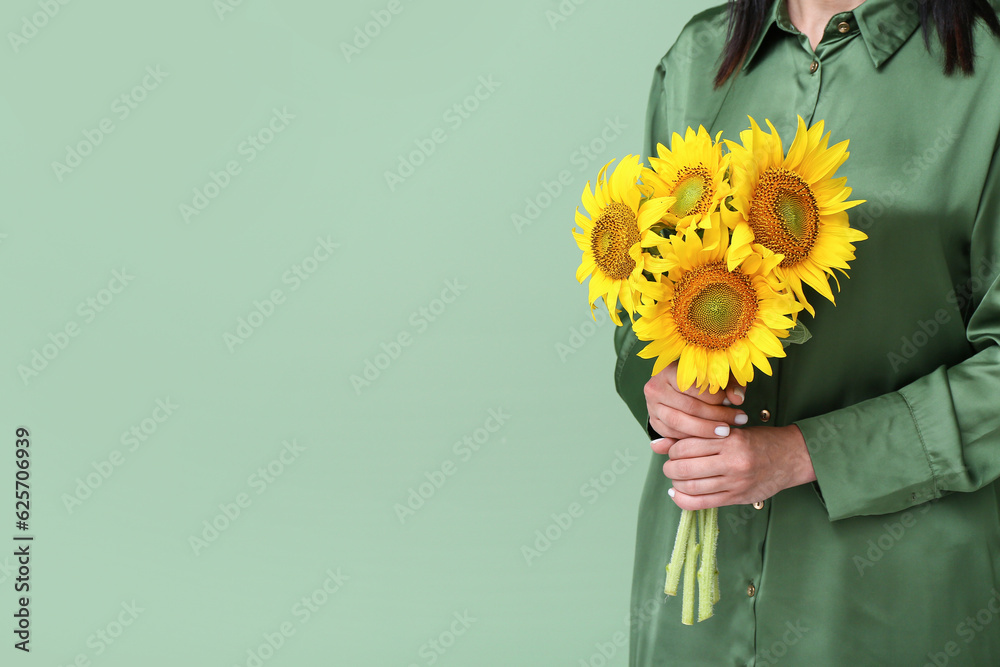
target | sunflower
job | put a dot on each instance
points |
(612, 240)
(789, 209)
(712, 319)
(693, 172)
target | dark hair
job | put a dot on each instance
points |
(954, 20)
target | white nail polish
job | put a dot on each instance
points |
(670, 492)
(726, 401)
(722, 431)
(741, 419)
(740, 393)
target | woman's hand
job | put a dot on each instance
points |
(750, 465)
(675, 414)
(712, 465)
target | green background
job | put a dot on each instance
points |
(114, 529)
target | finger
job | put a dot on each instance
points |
(706, 501)
(701, 487)
(698, 408)
(735, 392)
(680, 423)
(662, 388)
(665, 431)
(690, 448)
(696, 468)
(709, 397)
(666, 378)
(662, 445)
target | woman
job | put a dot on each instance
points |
(875, 446)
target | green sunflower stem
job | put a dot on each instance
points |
(677, 557)
(708, 575)
(687, 606)
(694, 559)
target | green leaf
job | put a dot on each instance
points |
(798, 335)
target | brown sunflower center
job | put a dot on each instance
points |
(615, 231)
(692, 190)
(714, 308)
(783, 215)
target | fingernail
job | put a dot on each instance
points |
(653, 442)
(722, 431)
(726, 401)
(741, 419)
(739, 393)
(670, 492)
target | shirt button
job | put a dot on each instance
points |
(813, 67)
(765, 415)
(751, 590)
(843, 26)
(759, 505)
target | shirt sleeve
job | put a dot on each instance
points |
(631, 371)
(937, 435)
(656, 112)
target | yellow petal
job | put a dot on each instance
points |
(686, 372)
(766, 342)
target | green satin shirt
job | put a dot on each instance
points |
(892, 557)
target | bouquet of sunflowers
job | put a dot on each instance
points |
(711, 249)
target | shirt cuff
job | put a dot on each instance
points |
(871, 458)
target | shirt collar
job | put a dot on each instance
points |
(884, 26)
